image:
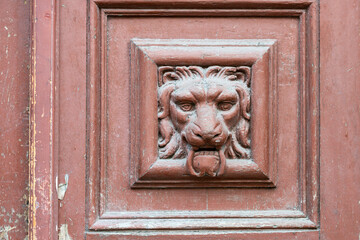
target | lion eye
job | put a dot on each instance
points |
(186, 107)
(225, 106)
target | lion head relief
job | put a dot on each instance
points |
(204, 116)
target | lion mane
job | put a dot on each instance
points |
(171, 144)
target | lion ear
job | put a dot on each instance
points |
(165, 74)
(243, 74)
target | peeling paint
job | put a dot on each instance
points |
(4, 232)
(64, 233)
(62, 187)
(7, 29)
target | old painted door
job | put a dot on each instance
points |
(195, 119)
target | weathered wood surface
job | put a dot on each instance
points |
(14, 118)
(49, 38)
(340, 119)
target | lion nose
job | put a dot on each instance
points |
(208, 134)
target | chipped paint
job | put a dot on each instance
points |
(4, 232)
(8, 33)
(14, 92)
(64, 233)
(62, 187)
(11, 216)
(41, 167)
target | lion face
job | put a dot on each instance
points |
(204, 112)
(204, 116)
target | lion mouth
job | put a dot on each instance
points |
(206, 162)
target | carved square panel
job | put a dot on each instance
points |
(207, 101)
(199, 112)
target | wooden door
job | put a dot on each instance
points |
(194, 119)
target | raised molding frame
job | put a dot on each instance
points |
(306, 217)
(146, 56)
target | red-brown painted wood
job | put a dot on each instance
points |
(109, 194)
(42, 163)
(238, 170)
(14, 112)
(340, 118)
(303, 235)
(95, 121)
